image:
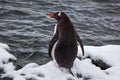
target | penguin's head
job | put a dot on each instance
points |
(58, 15)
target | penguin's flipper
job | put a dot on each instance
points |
(52, 42)
(80, 43)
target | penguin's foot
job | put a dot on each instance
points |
(69, 70)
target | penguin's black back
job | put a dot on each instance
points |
(65, 53)
(66, 48)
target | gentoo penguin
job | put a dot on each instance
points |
(63, 47)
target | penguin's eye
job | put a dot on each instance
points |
(59, 14)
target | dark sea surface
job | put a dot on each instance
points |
(26, 29)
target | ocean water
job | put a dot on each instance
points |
(26, 29)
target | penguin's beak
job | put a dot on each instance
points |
(50, 15)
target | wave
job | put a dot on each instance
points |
(4, 1)
(6, 12)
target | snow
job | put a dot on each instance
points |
(110, 54)
(4, 55)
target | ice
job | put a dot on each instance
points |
(82, 69)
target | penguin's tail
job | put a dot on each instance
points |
(70, 71)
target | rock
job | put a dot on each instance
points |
(6, 78)
(1, 71)
(30, 79)
(86, 78)
(79, 75)
(70, 79)
(101, 64)
(18, 66)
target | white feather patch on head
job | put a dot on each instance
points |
(59, 13)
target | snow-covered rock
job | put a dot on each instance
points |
(109, 53)
(82, 69)
(5, 57)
